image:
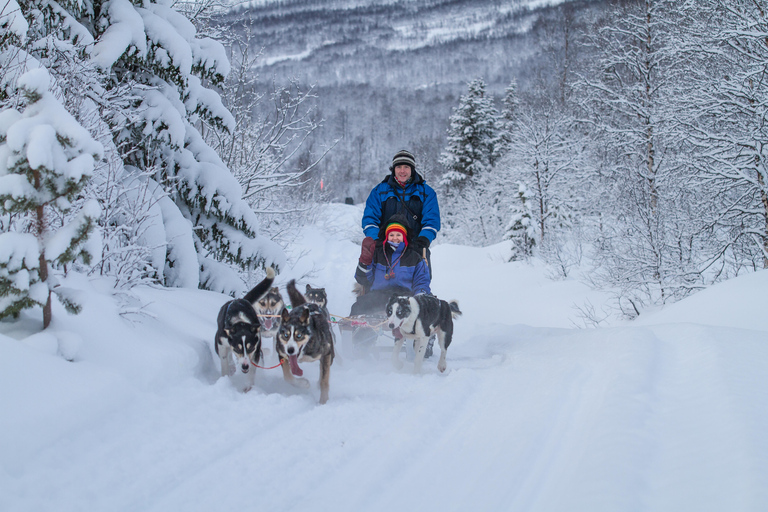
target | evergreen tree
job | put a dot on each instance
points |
(472, 137)
(171, 66)
(469, 188)
(508, 118)
(46, 158)
(161, 76)
(521, 230)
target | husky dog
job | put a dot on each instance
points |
(320, 297)
(304, 336)
(417, 318)
(239, 331)
(268, 308)
(317, 296)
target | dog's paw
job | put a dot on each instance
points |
(397, 364)
(442, 365)
(300, 383)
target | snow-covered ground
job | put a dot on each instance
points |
(669, 413)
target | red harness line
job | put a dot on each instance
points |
(335, 319)
(269, 368)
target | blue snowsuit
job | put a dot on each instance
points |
(417, 202)
(411, 276)
(410, 270)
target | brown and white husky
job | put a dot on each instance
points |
(305, 336)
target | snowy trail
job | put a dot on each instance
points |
(548, 420)
(664, 414)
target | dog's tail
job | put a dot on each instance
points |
(262, 288)
(455, 311)
(297, 299)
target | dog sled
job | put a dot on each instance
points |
(368, 337)
(360, 335)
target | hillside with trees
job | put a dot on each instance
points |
(622, 142)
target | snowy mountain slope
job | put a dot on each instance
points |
(531, 415)
(392, 26)
(387, 75)
(365, 42)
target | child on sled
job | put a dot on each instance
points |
(394, 268)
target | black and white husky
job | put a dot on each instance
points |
(239, 331)
(305, 336)
(417, 318)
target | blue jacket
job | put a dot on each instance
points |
(410, 270)
(417, 202)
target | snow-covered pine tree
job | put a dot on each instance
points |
(13, 34)
(46, 158)
(521, 230)
(157, 47)
(471, 196)
(13, 26)
(472, 137)
(150, 57)
(508, 118)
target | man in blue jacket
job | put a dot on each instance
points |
(402, 192)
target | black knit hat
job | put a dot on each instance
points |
(404, 157)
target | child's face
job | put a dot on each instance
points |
(395, 237)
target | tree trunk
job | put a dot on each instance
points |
(40, 227)
(764, 197)
(542, 206)
(47, 314)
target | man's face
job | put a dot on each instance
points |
(402, 172)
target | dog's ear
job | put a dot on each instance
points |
(309, 288)
(285, 315)
(304, 317)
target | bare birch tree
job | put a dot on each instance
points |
(729, 43)
(645, 239)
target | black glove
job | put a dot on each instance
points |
(421, 243)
